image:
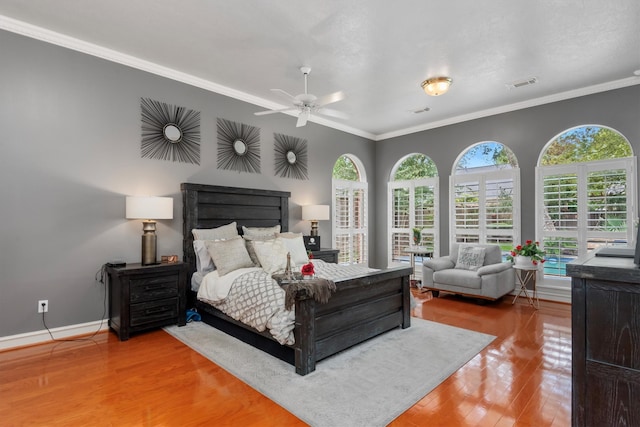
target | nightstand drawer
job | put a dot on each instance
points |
(149, 312)
(154, 287)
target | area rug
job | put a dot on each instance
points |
(367, 385)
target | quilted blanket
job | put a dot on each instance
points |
(257, 300)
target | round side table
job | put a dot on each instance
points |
(414, 251)
(524, 275)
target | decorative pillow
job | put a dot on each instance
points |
(470, 258)
(272, 255)
(260, 231)
(250, 248)
(228, 231)
(295, 245)
(229, 255)
(204, 263)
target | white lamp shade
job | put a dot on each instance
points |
(149, 207)
(316, 212)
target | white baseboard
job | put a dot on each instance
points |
(39, 337)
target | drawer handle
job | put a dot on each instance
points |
(156, 310)
(152, 287)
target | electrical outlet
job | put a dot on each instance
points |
(43, 306)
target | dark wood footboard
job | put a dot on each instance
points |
(361, 308)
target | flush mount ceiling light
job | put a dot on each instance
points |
(436, 86)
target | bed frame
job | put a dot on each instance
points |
(361, 308)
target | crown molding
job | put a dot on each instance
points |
(575, 93)
(58, 39)
(42, 34)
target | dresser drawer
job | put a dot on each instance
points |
(154, 287)
(149, 312)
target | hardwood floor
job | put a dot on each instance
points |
(522, 378)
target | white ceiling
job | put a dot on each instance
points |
(376, 51)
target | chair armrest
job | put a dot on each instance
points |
(494, 268)
(437, 264)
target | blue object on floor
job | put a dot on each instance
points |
(193, 316)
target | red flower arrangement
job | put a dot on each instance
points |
(530, 249)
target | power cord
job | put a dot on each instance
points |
(99, 277)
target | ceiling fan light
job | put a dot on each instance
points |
(436, 86)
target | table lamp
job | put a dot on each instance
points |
(315, 213)
(149, 209)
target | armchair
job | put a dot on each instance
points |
(470, 269)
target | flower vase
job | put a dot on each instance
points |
(523, 261)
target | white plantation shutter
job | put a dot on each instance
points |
(584, 206)
(486, 207)
(413, 205)
(350, 221)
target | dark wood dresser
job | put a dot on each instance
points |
(328, 255)
(605, 299)
(146, 297)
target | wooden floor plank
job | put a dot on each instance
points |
(522, 378)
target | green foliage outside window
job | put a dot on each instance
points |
(415, 167)
(586, 144)
(345, 170)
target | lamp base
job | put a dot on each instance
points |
(149, 243)
(314, 228)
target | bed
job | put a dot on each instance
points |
(361, 307)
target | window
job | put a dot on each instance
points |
(413, 206)
(350, 211)
(485, 190)
(585, 194)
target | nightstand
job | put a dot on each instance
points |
(146, 297)
(327, 254)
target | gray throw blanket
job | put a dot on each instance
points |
(317, 288)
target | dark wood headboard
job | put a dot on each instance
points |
(209, 206)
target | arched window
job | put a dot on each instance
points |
(586, 194)
(413, 207)
(349, 224)
(485, 188)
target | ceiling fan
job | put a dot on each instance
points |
(306, 104)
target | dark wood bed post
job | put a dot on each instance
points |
(305, 335)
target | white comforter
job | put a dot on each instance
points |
(252, 297)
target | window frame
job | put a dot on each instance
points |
(411, 185)
(481, 179)
(582, 171)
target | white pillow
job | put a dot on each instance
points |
(272, 255)
(204, 263)
(252, 252)
(228, 231)
(252, 232)
(295, 246)
(470, 258)
(229, 255)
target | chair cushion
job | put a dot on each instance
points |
(457, 277)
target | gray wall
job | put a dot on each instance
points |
(71, 153)
(526, 132)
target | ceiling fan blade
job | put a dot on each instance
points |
(333, 113)
(330, 99)
(285, 95)
(284, 110)
(303, 117)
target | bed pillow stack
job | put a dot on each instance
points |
(222, 248)
(204, 261)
